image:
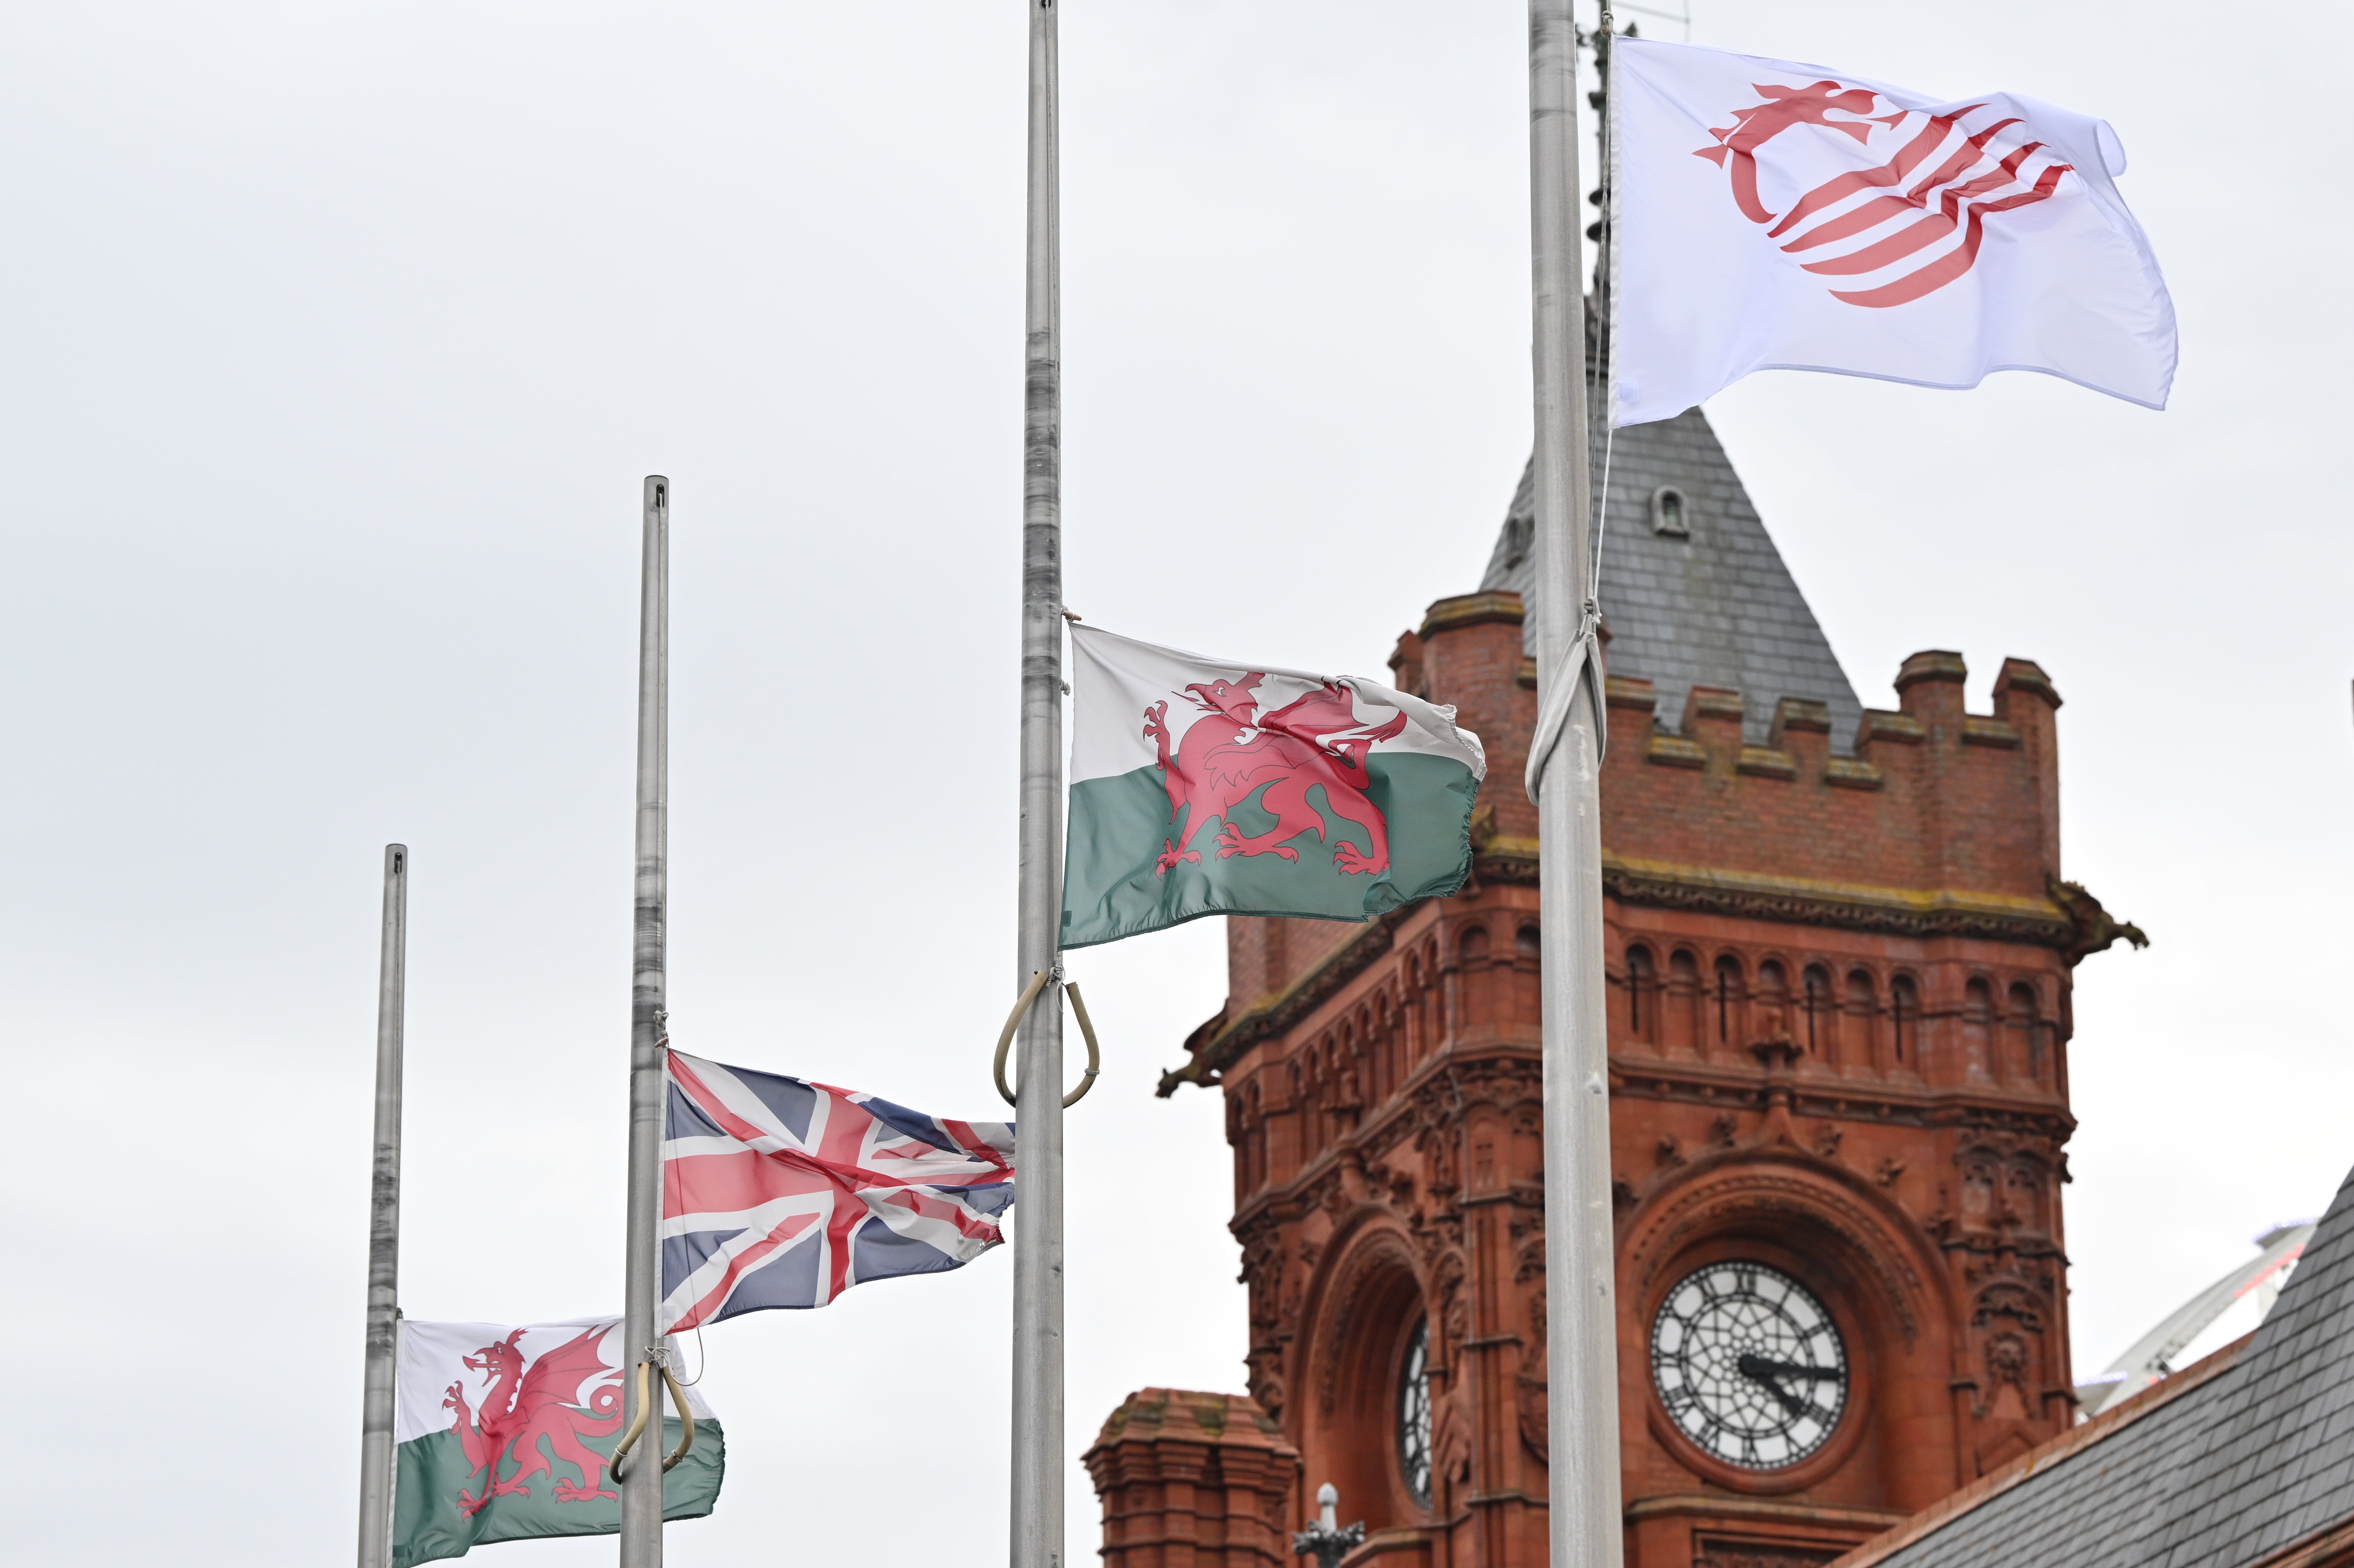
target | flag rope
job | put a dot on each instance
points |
(1582, 663)
(645, 1408)
(1014, 1020)
(1607, 287)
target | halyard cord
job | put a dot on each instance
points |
(645, 1408)
(702, 1359)
(1609, 293)
(1038, 981)
(1581, 662)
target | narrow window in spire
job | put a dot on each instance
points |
(1669, 514)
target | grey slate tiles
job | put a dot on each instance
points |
(1715, 608)
(2222, 1476)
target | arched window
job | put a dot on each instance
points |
(1530, 942)
(1254, 1141)
(2025, 1020)
(1683, 1026)
(1642, 987)
(1728, 991)
(1771, 1017)
(1475, 987)
(1413, 1414)
(1904, 1014)
(1670, 512)
(1862, 1005)
(1978, 1032)
(1817, 1003)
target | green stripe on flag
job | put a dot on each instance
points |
(430, 1522)
(1114, 884)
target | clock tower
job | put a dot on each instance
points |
(1839, 952)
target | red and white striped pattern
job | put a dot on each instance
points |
(1772, 215)
(1913, 223)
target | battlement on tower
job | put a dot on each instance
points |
(1936, 812)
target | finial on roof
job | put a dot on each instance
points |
(1327, 1540)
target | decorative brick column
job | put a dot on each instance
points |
(1193, 1480)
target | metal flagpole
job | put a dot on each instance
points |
(1037, 1504)
(1580, 1292)
(384, 1224)
(641, 1480)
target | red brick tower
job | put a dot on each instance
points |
(1840, 956)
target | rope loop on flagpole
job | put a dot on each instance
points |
(1580, 667)
(637, 1427)
(645, 1409)
(1038, 981)
(1581, 661)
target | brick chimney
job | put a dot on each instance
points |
(1193, 1480)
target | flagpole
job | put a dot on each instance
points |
(1036, 1520)
(377, 1388)
(642, 1481)
(1584, 1526)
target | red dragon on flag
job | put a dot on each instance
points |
(524, 1404)
(1253, 789)
(1315, 740)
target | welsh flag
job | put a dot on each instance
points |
(1209, 787)
(503, 1433)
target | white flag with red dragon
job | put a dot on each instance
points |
(1209, 787)
(1774, 216)
(503, 1432)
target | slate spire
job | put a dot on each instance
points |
(1713, 605)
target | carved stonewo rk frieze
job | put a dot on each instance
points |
(1840, 1011)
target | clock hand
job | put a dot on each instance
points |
(1764, 1373)
(1760, 1370)
(1753, 1365)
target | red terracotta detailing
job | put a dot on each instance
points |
(1840, 1019)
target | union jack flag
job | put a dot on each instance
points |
(778, 1192)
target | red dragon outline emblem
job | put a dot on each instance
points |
(1958, 193)
(1315, 740)
(523, 1405)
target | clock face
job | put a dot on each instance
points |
(1749, 1365)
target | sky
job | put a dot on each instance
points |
(335, 341)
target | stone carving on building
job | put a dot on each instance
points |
(1840, 959)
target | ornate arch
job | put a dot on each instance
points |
(1875, 1241)
(1373, 1264)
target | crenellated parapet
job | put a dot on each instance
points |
(1937, 818)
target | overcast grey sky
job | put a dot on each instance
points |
(336, 340)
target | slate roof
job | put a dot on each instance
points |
(1716, 609)
(2221, 1467)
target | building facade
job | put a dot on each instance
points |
(1839, 952)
